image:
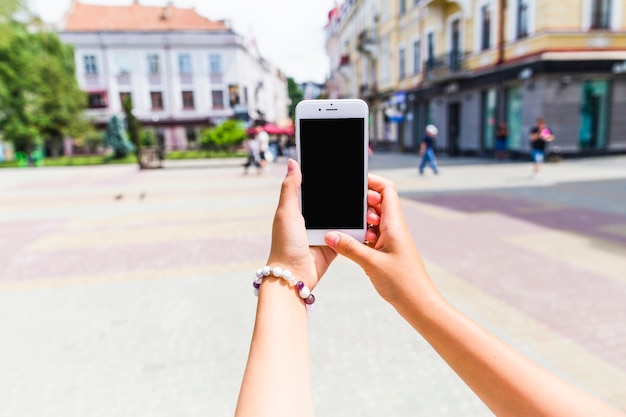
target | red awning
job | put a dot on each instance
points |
(272, 129)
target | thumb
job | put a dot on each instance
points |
(290, 188)
(349, 247)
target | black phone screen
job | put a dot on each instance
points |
(332, 164)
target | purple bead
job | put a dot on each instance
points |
(310, 299)
(299, 285)
(255, 285)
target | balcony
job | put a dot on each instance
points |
(368, 90)
(367, 42)
(447, 66)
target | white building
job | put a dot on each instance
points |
(182, 71)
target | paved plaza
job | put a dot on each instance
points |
(128, 293)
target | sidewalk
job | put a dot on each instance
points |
(128, 292)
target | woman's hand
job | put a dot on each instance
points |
(390, 258)
(290, 246)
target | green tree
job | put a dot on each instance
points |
(8, 8)
(223, 137)
(40, 101)
(295, 96)
(133, 127)
(116, 138)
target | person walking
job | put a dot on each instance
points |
(540, 136)
(253, 149)
(427, 150)
(264, 145)
(502, 136)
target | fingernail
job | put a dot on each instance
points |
(332, 239)
(291, 165)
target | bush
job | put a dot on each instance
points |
(226, 136)
(148, 138)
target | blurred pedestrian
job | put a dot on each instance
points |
(540, 136)
(253, 149)
(502, 138)
(427, 150)
(264, 145)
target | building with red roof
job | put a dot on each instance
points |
(182, 71)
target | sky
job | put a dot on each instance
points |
(288, 33)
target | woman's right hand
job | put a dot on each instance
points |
(389, 257)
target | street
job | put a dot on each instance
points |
(128, 293)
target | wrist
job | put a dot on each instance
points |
(301, 272)
(275, 276)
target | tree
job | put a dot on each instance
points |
(223, 137)
(133, 127)
(40, 101)
(295, 95)
(116, 138)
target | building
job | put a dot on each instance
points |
(181, 70)
(465, 65)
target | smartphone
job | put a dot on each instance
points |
(332, 149)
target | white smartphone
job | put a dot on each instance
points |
(332, 148)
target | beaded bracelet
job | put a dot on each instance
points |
(303, 291)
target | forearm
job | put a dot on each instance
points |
(509, 383)
(277, 377)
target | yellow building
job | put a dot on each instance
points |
(466, 65)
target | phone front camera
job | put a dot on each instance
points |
(319, 109)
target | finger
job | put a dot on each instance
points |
(290, 188)
(371, 236)
(373, 198)
(349, 247)
(390, 207)
(372, 217)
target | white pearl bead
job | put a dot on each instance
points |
(259, 272)
(259, 280)
(256, 292)
(292, 281)
(305, 292)
(277, 271)
(286, 275)
(266, 270)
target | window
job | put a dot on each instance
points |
(488, 113)
(430, 51)
(431, 48)
(594, 114)
(514, 110)
(522, 18)
(455, 45)
(184, 64)
(402, 7)
(154, 67)
(217, 98)
(91, 67)
(233, 95)
(416, 57)
(402, 63)
(188, 100)
(600, 14)
(192, 135)
(125, 96)
(96, 100)
(122, 62)
(156, 98)
(215, 64)
(485, 39)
